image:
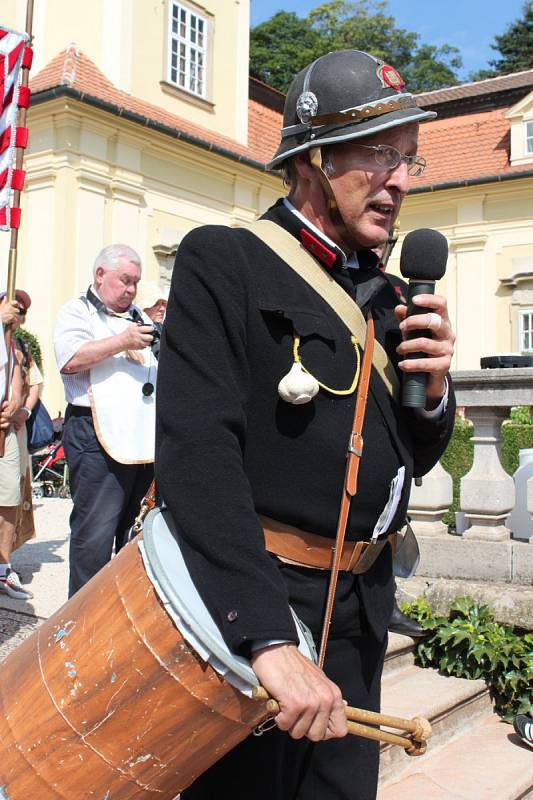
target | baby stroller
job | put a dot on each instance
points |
(50, 472)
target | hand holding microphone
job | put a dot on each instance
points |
(427, 348)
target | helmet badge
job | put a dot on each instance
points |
(306, 107)
(389, 77)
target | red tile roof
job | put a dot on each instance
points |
(466, 148)
(502, 83)
(78, 72)
(462, 147)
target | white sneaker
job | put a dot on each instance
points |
(523, 726)
(11, 585)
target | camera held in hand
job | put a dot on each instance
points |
(156, 340)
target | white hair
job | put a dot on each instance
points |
(109, 257)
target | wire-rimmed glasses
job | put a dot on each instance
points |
(389, 158)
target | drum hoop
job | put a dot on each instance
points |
(234, 668)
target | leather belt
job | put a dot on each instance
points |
(295, 546)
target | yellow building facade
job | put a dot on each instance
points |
(143, 126)
(120, 152)
(478, 191)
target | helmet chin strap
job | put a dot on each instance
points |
(315, 159)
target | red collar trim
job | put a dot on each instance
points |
(318, 249)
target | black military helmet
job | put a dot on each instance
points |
(341, 96)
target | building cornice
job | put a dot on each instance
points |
(462, 184)
(103, 105)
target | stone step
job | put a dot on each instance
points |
(452, 705)
(511, 604)
(487, 762)
(400, 653)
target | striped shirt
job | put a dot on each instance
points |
(74, 328)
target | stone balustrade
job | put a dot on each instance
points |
(487, 492)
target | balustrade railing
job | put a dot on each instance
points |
(487, 494)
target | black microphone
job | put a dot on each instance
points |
(422, 262)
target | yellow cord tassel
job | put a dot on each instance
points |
(339, 392)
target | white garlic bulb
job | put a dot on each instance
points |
(297, 387)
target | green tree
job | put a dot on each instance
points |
(515, 46)
(283, 45)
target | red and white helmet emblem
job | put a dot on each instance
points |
(390, 77)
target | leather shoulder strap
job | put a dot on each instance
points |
(302, 262)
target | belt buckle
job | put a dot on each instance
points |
(355, 445)
(368, 555)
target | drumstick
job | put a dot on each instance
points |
(419, 728)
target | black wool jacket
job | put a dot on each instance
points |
(228, 447)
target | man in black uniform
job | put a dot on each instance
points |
(232, 446)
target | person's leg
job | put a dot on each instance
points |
(9, 501)
(266, 767)
(99, 487)
(347, 769)
(9, 494)
(8, 517)
(142, 477)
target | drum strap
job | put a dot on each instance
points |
(148, 502)
(307, 267)
(353, 457)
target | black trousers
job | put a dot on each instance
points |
(276, 767)
(106, 497)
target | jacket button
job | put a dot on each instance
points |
(232, 616)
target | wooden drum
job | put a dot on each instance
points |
(128, 691)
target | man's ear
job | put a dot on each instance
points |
(303, 166)
(99, 273)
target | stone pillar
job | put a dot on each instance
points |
(487, 491)
(430, 501)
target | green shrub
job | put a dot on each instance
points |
(517, 434)
(470, 644)
(521, 415)
(33, 343)
(457, 460)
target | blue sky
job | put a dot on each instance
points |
(469, 25)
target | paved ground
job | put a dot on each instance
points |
(42, 565)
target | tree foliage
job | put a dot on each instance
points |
(283, 45)
(515, 47)
(516, 44)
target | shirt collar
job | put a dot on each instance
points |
(94, 310)
(349, 262)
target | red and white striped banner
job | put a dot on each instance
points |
(13, 55)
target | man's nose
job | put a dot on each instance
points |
(399, 177)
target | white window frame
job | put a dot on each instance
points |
(528, 138)
(525, 330)
(187, 50)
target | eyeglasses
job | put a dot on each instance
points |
(390, 158)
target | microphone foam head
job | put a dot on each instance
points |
(424, 255)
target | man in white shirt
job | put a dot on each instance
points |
(102, 345)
